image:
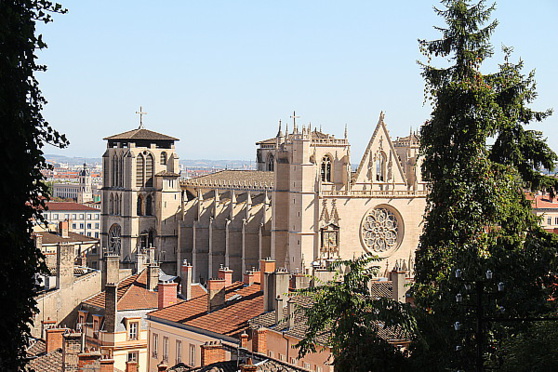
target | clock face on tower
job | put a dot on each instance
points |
(380, 230)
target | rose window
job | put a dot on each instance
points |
(379, 230)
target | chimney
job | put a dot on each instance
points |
(70, 352)
(54, 339)
(65, 265)
(275, 284)
(278, 310)
(244, 340)
(64, 228)
(89, 361)
(226, 274)
(110, 307)
(186, 280)
(300, 281)
(47, 324)
(166, 295)
(107, 365)
(216, 297)
(131, 366)
(250, 277)
(152, 276)
(38, 241)
(266, 266)
(140, 261)
(212, 352)
(399, 279)
(111, 269)
(259, 343)
(290, 313)
(248, 366)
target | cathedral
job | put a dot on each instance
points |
(304, 206)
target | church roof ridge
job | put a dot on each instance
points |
(141, 134)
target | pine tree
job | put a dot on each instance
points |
(477, 217)
(24, 132)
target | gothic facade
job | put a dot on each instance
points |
(303, 207)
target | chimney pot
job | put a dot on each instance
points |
(216, 296)
(54, 339)
(166, 295)
(186, 280)
(226, 274)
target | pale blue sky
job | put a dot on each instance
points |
(220, 74)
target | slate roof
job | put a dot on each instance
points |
(69, 206)
(132, 294)
(248, 176)
(40, 360)
(229, 320)
(51, 237)
(141, 134)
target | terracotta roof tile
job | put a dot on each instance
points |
(141, 134)
(41, 361)
(229, 320)
(51, 237)
(68, 206)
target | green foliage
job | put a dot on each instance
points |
(24, 132)
(477, 215)
(352, 320)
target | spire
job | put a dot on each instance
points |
(382, 116)
(346, 131)
(279, 133)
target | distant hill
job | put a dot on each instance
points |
(187, 163)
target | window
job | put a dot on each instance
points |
(133, 330)
(381, 167)
(74, 226)
(73, 216)
(132, 356)
(163, 158)
(178, 351)
(97, 235)
(144, 170)
(155, 345)
(55, 216)
(281, 357)
(549, 221)
(318, 369)
(81, 216)
(96, 216)
(89, 233)
(326, 169)
(306, 365)
(166, 349)
(81, 226)
(192, 356)
(88, 216)
(67, 216)
(97, 226)
(88, 225)
(140, 205)
(293, 361)
(556, 220)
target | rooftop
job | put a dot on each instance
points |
(141, 134)
(52, 237)
(69, 206)
(229, 320)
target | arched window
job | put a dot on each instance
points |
(114, 178)
(151, 238)
(121, 172)
(111, 204)
(269, 166)
(149, 167)
(140, 164)
(326, 169)
(114, 238)
(163, 158)
(140, 205)
(149, 206)
(381, 167)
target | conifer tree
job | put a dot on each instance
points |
(477, 217)
(23, 134)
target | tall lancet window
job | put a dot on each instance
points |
(140, 205)
(140, 164)
(270, 162)
(163, 158)
(149, 165)
(326, 169)
(149, 206)
(381, 167)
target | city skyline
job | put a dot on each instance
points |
(220, 76)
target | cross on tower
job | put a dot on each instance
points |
(294, 117)
(141, 113)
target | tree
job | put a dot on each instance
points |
(353, 321)
(477, 216)
(24, 132)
